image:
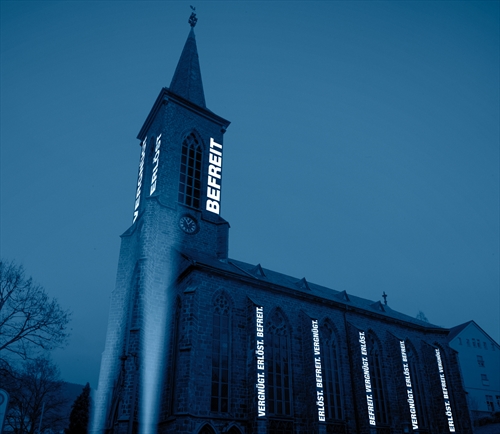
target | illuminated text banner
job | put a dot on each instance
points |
(214, 177)
(447, 404)
(366, 373)
(139, 181)
(409, 389)
(259, 351)
(320, 399)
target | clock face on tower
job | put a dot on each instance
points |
(188, 224)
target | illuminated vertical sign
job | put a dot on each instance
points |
(447, 404)
(139, 181)
(320, 398)
(214, 177)
(156, 161)
(409, 389)
(366, 374)
(259, 351)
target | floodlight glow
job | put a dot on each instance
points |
(152, 354)
(139, 181)
(409, 389)
(156, 161)
(366, 373)
(320, 398)
(447, 404)
(259, 352)
(214, 174)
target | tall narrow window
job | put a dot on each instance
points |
(331, 373)
(190, 175)
(379, 396)
(278, 367)
(220, 356)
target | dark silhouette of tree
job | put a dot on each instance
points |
(36, 396)
(28, 317)
(80, 411)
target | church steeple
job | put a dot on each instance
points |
(186, 81)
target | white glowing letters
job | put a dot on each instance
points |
(139, 182)
(409, 388)
(366, 374)
(320, 398)
(156, 161)
(447, 404)
(214, 177)
(259, 352)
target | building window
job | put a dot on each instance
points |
(279, 398)
(220, 356)
(485, 380)
(498, 400)
(489, 403)
(468, 342)
(379, 395)
(459, 341)
(485, 346)
(331, 373)
(207, 429)
(480, 361)
(280, 427)
(473, 342)
(190, 178)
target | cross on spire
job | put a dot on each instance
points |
(384, 295)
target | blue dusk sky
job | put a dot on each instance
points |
(363, 152)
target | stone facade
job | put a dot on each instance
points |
(200, 343)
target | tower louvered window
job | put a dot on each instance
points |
(220, 356)
(331, 374)
(190, 174)
(278, 367)
(379, 395)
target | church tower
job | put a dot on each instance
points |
(177, 207)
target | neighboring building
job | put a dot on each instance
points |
(479, 358)
(200, 343)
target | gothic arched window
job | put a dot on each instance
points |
(207, 429)
(379, 395)
(418, 391)
(279, 379)
(331, 373)
(190, 174)
(220, 356)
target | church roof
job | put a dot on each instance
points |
(280, 281)
(186, 81)
(455, 331)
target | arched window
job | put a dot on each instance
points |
(207, 429)
(220, 356)
(278, 366)
(190, 174)
(331, 373)
(418, 391)
(379, 395)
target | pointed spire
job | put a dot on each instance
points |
(186, 81)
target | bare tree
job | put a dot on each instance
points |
(28, 317)
(36, 397)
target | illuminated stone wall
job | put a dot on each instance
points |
(202, 285)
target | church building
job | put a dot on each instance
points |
(200, 343)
